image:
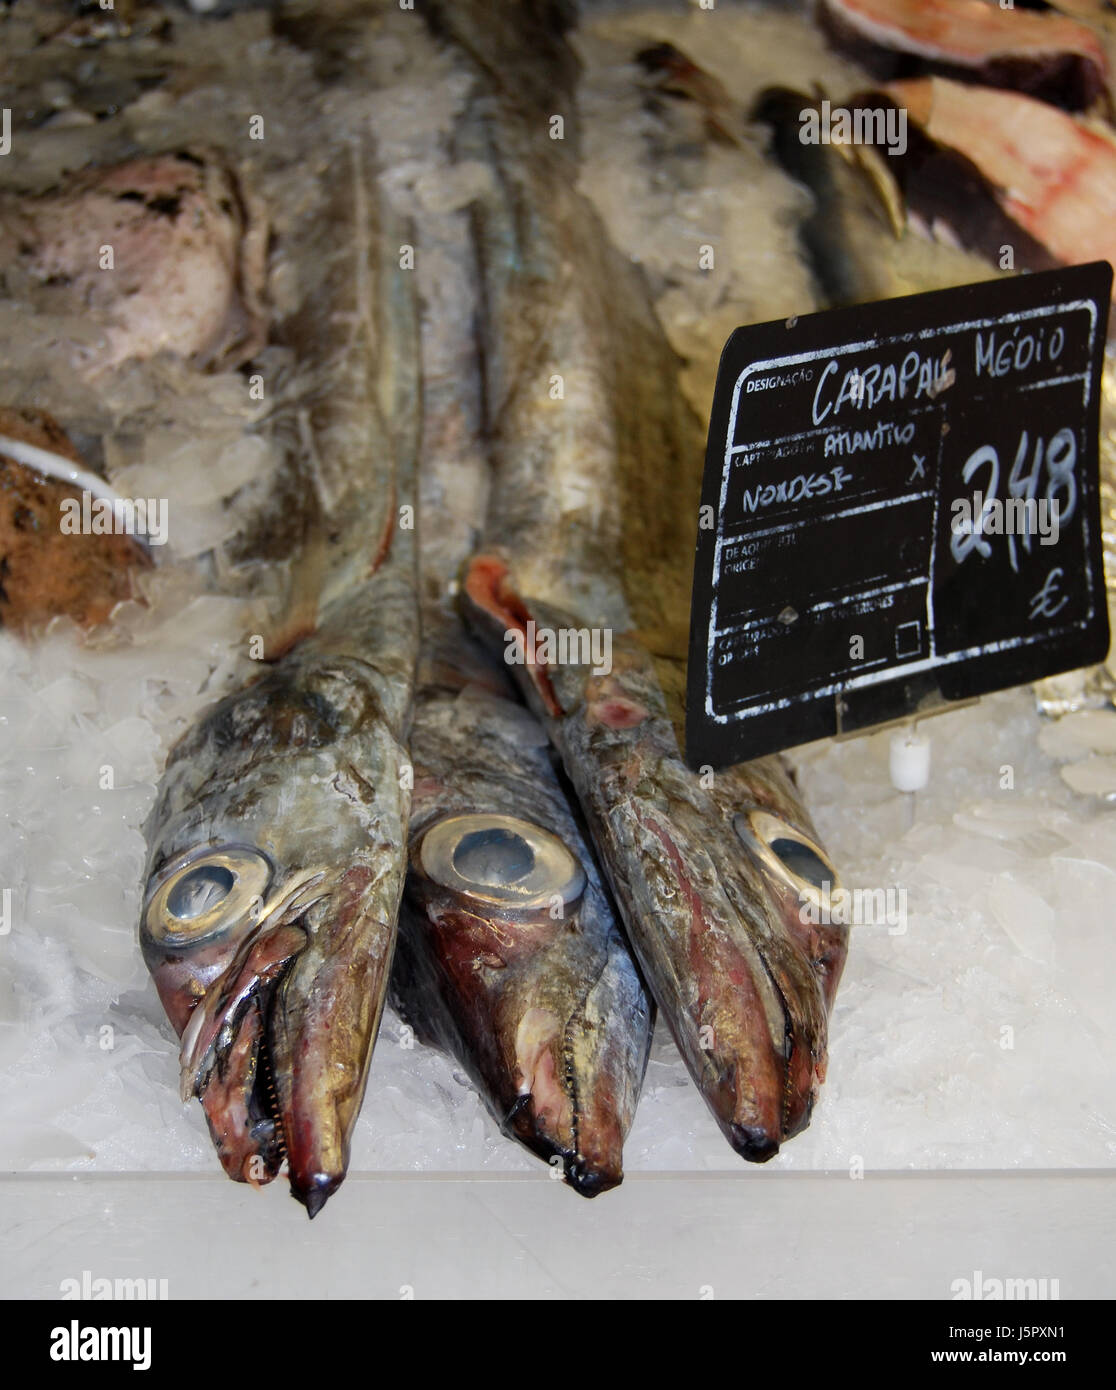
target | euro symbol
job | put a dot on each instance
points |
(1042, 604)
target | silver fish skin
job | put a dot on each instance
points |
(510, 957)
(277, 845)
(592, 525)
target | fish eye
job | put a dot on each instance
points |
(496, 857)
(787, 854)
(207, 893)
(199, 889)
(501, 861)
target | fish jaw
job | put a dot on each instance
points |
(580, 1132)
(557, 1060)
(715, 929)
(322, 1031)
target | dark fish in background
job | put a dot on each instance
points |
(679, 75)
(861, 238)
(858, 215)
(591, 526)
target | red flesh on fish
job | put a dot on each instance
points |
(1018, 48)
(1050, 173)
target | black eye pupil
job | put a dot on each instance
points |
(494, 857)
(801, 861)
(199, 890)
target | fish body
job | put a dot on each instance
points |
(592, 523)
(277, 844)
(510, 957)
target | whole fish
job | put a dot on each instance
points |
(277, 844)
(591, 531)
(509, 957)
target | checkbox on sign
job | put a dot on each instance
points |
(908, 639)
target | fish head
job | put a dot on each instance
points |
(793, 885)
(505, 896)
(269, 913)
(514, 959)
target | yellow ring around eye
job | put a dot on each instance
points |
(208, 892)
(501, 861)
(788, 855)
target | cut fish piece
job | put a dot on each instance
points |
(164, 253)
(1044, 54)
(46, 572)
(1051, 175)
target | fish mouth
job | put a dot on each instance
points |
(588, 1174)
(277, 1049)
(237, 1092)
(559, 1113)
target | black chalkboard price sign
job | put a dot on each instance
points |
(900, 509)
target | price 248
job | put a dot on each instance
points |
(1018, 518)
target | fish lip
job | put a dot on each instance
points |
(587, 1181)
(585, 1178)
(753, 1142)
(315, 1189)
(322, 1030)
